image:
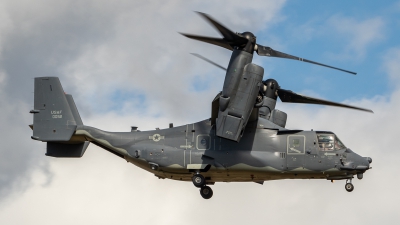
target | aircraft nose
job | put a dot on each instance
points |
(365, 162)
(357, 162)
(369, 159)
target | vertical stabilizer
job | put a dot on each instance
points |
(55, 114)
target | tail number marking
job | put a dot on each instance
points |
(56, 114)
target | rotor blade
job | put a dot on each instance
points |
(267, 51)
(207, 60)
(215, 41)
(228, 35)
(291, 97)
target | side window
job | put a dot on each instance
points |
(203, 142)
(296, 144)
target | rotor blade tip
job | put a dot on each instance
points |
(201, 13)
(184, 34)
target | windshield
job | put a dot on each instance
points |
(329, 142)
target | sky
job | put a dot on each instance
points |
(126, 65)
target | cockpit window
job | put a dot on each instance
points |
(338, 144)
(329, 142)
(325, 142)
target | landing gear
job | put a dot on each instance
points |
(349, 186)
(206, 192)
(200, 182)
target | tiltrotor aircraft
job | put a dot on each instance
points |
(245, 140)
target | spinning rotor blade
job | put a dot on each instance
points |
(267, 51)
(246, 41)
(209, 61)
(229, 35)
(215, 41)
(230, 39)
(291, 97)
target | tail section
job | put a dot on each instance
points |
(55, 119)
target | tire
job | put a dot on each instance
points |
(206, 192)
(349, 187)
(198, 180)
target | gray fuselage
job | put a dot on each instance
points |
(266, 152)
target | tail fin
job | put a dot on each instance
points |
(55, 118)
(55, 114)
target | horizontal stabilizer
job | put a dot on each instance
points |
(66, 150)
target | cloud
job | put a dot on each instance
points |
(391, 64)
(357, 35)
(360, 34)
(18, 155)
(162, 62)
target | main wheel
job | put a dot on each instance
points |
(206, 192)
(349, 187)
(198, 180)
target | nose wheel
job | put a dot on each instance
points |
(349, 186)
(206, 192)
(199, 181)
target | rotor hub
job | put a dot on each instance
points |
(270, 88)
(249, 46)
(249, 36)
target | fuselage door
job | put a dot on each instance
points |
(295, 151)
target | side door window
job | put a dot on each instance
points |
(296, 144)
(203, 142)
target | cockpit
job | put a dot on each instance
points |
(328, 141)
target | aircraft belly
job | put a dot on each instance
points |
(235, 173)
(213, 176)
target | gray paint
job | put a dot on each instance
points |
(232, 119)
(264, 152)
(53, 118)
(240, 142)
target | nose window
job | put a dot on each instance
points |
(338, 144)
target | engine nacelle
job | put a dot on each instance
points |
(233, 117)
